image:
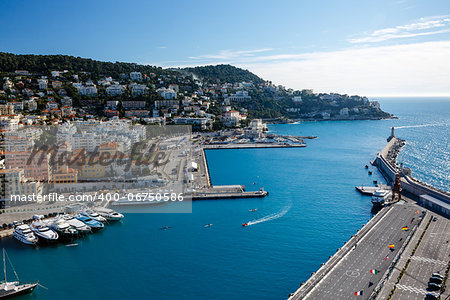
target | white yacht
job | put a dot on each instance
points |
(77, 224)
(381, 197)
(108, 214)
(24, 234)
(9, 289)
(93, 215)
(44, 233)
(64, 229)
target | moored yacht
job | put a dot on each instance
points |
(64, 229)
(23, 233)
(108, 214)
(93, 215)
(381, 197)
(44, 233)
(77, 224)
(14, 288)
(95, 225)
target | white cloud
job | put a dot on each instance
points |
(412, 69)
(422, 27)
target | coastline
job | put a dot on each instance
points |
(292, 121)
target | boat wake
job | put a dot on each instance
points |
(423, 125)
(271, 217)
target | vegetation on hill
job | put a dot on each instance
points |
(225, 73)
(45, 63)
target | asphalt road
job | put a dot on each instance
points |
(432, 256)
(352, 273)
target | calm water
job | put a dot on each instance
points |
(313, 186)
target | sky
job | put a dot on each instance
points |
(370, 48)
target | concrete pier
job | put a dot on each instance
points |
(252, 146)
(348, 270)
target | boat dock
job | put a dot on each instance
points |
(226, 192)
(369, 190)
(251, 146)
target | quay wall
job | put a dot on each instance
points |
(411, 186)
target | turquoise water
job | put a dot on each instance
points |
(314, 186)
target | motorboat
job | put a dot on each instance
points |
(253, 210)
(23, 233)
(108, 214)
(9, 289)
(93, 215)
(64, 229)
(44, 233)
(208, 225)
(381, 197)
(81, 227)
(244, 224)
(95, 225)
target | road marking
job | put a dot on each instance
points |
(353, 274)
(428, 260)
(413, 289)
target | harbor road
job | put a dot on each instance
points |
(371, 252)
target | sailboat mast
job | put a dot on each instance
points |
(4, 264)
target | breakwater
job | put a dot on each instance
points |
(387, 165)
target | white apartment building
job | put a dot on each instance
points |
(138, 89)
(136, 76)
(239, 96)
(42, 84)
(115, 90)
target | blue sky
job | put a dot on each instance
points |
(399, 47)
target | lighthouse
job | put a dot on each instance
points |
(392, 134)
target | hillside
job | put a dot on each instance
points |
(225, 73)
(45, 63)
(212, 90)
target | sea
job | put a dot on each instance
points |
(311, 210)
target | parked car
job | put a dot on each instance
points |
(434, 286)
(436, 280)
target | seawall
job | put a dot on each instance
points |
(414, 188)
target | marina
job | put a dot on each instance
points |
(60, 227)
(304, 176)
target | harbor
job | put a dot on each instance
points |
(309, 177)
(388, 243)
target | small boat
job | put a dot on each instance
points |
(23, 233)
(72, 245)
(208, 225)
(108, 214)
(14, 288)
(44, 233)
(370, 172)
(244, 224)
(94, 215)
(375, 181)
(95, 225)
(164, 228)
(253, 210)
(366, 166)
(64, 229)
(81, 227)
(381, 197)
